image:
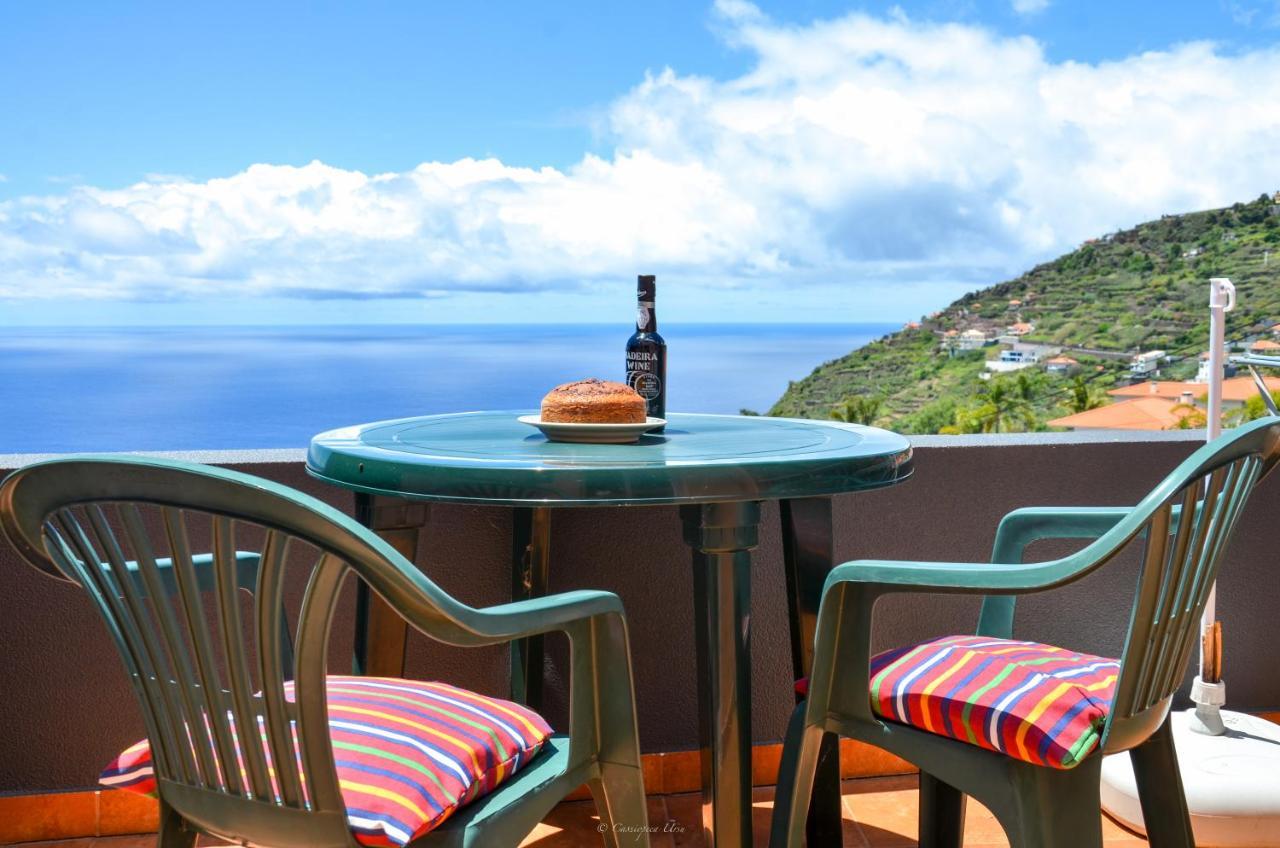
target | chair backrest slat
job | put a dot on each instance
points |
(176, 757)
(194, 735)
(309, 668)
(197, 630)
(269, 589)
(240, 684)
(85, 562)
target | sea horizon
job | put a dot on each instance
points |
(244, 386)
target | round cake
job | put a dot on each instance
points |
(593, 402)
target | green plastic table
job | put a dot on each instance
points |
(718, 468)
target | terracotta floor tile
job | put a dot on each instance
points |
(137, 840)
(59, 843)
(681, 771)
(51, 817)
(127, 812)
(685, 813)
(574, 824)
(652, 769)
(686, 816)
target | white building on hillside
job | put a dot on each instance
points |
(1146, 364)
(973, 339)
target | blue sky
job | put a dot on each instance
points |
(782, 161)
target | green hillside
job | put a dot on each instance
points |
(1136, 290)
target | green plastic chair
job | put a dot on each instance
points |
(1186, 521)
(124, 530)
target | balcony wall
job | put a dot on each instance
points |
(67, 708)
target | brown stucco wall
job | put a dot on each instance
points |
(66, 708)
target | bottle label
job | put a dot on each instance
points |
(642, 373)
(647, 385)
(642, 317)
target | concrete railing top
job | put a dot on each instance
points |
(980, 440)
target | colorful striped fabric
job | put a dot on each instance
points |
(1033, 702)
(408, 753)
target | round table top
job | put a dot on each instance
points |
(491, 458)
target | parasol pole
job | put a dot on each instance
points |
(1208, 691)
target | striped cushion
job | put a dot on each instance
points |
(408, 753)
(1033, 702)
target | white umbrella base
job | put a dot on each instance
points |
(1232, 783)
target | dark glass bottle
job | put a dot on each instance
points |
(647, 352)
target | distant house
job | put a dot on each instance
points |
(1019, 329)
(1202, 373)
(1275, 329)
(911, 325)
(1145, 364)
(1061, 365)
(1235, 391)
(1146, 413)
(1192, 253)
(973, 339)
(1015, 303)
(1021, 355)
(1028, 355)
(1266, 347)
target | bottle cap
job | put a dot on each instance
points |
(646, 286)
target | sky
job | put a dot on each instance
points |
(429, 162)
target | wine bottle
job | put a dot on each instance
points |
(647, 352)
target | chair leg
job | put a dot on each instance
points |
(941, 813)
(1164, 806)
(174, 832)
(620, 803)
(1054, 808)
(795, 782)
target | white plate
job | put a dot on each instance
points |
(594, 434)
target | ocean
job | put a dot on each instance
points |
(191, 388)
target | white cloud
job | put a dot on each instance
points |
(858, 151)
(1030, 7)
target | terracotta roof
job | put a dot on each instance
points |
(1264, 344)
(1021, 327)
(1061, 360)
(1237, 389)
(1147, 413)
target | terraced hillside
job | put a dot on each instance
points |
(1138, 289)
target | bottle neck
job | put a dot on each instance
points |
(646, 317)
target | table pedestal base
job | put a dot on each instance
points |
(722, 536)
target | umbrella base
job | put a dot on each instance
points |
(1232, 783)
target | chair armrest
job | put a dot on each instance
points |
(888, 576)
(1021, 528)
(520, 619)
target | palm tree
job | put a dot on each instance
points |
(1253, 408)
(857, 409)
(1082, 398)
(1004, 407)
